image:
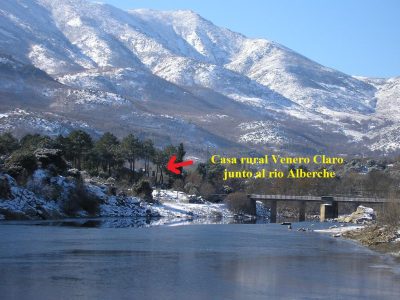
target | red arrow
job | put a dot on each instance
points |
(173, 166)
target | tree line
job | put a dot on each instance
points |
(108, 155)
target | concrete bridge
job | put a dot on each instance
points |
(329, 205)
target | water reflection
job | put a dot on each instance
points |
(188, 262)
(134, 222)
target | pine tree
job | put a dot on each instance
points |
(8, 143)
(78, 143)
(131, 149)
(180, 157)
(148, 152)
(107, 149)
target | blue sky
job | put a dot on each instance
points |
(358, 37)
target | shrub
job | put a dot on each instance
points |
(208, 191)
(191, 189)
(22, 159)
(239, 203)
(125, 175)
(144, 190)
(390, 214)
(51, 157)
(20, 165)
(8, 144)
(5, 190)
(81, 199)
(194, 178)
(178, 185)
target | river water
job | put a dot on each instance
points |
(258, 261)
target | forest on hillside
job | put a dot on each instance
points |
(136, 167)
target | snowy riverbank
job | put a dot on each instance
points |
(34, 202)
(362, 216)
(337, 231)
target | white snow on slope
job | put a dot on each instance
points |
(83, 43)
(176, 205)
(261, 132)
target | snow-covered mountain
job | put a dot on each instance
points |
(175, 76)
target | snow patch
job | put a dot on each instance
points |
(75, 22)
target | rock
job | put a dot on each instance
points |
(193, 199)
(361, 215)
(155, 214)
(262, 210)
(348, 219)
(75, 173)
(121, 194)
(110, 181)
(13, 215)
(49, 214)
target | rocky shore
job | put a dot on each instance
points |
(378, 237)
(381, 238)
(47, 197)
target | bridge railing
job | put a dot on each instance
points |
(285, 197)
(317, 198)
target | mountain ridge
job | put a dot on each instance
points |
(249, 94)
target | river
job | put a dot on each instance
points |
(246, 261)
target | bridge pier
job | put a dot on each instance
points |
(253, 205)
(329, 209)
(273, 211)
(302, 211)
(335, 207)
